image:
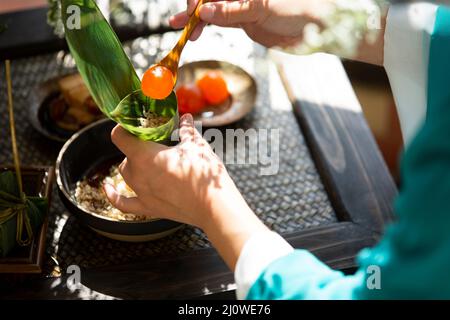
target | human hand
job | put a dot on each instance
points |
(177, 183)
(186, 183)
(270, 23)
(282, 23)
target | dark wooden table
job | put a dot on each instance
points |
(317, 92)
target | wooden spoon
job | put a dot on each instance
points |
(172, 59)
(159, 80)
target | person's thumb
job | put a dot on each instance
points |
(231, 13)
(188, 132)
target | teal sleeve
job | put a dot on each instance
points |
(300, 276)
(414, 255)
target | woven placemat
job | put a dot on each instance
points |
(291, 200)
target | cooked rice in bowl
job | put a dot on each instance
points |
(91, 197)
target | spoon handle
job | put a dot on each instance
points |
(172, 59)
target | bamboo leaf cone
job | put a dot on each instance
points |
(109, 74)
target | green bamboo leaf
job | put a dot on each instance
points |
(36, 209)
(8, 184)
(11, 204)
(131, 115)
(7, 237)
(108, 72)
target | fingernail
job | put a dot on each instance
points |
(187, 119)
(207, 12)
(109, 189)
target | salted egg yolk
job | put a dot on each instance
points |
(157, 82)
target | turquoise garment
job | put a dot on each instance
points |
(414, 254)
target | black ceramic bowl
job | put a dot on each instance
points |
(81, 154)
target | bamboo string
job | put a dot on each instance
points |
(12, 127)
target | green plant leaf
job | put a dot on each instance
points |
(130, 110)
(108, 72)
(10, 202)
(8, 184)
(7, 237)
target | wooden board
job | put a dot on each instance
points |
(353, 171)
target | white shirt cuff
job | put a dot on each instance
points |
(406, 53)
(258, 252)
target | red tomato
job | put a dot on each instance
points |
(213, 87)
(190, 99)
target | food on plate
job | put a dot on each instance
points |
(209, 90)
(190, 99)
(73, 107)
(213, 87)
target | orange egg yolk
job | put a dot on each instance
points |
(213, 87)
(157, 82)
